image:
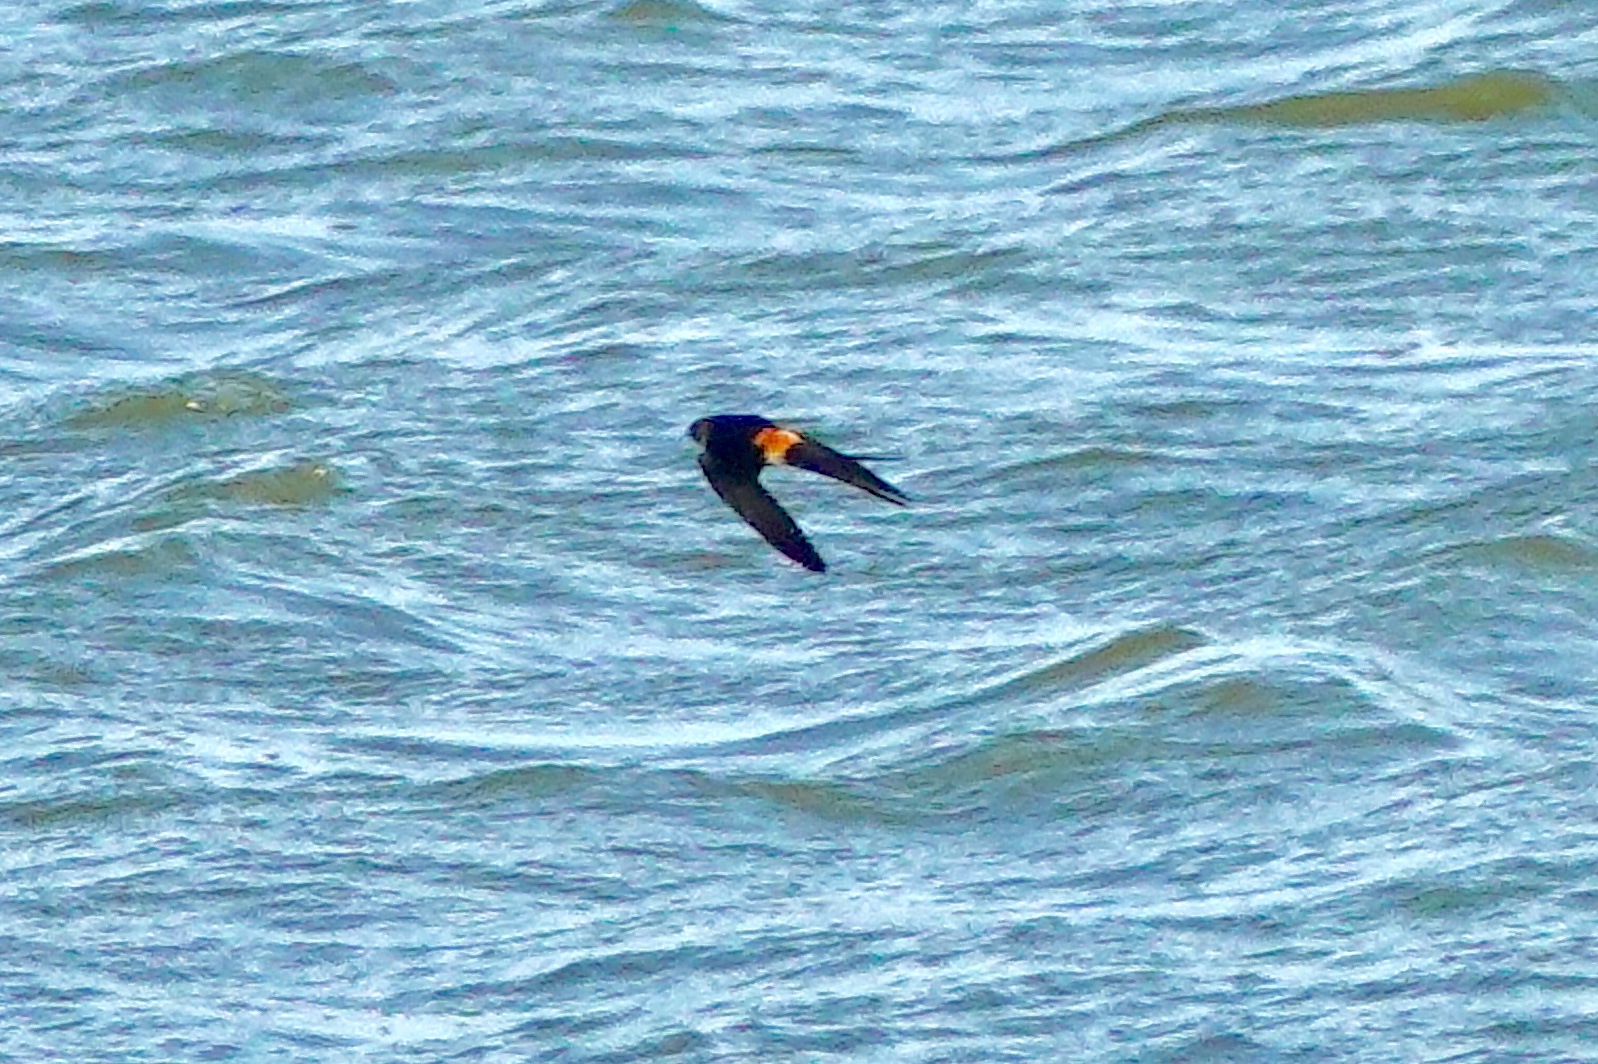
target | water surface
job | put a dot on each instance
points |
(384, 683)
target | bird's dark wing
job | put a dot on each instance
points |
(756, 506)
(819, 458)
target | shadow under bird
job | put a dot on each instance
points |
(734, 448)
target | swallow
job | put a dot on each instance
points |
(734, 448)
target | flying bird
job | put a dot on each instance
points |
(734, 448)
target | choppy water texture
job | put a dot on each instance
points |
(383, 682)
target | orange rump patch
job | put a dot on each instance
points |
(774, 442)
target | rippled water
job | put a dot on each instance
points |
(383, 681)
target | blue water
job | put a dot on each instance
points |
(383, 682)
